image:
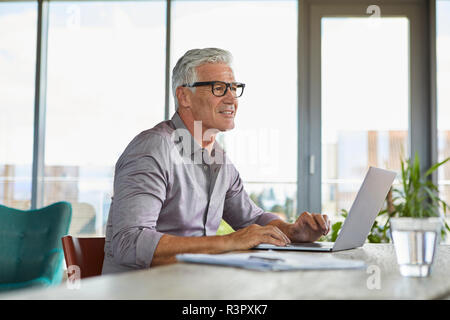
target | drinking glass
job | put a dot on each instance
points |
(415, 242)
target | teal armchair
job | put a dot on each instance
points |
(30, 245)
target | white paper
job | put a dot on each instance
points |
(275, 261)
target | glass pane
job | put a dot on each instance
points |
(17, 75)
(365, 102)
(105, 85)
(263, 145)
(443, 95)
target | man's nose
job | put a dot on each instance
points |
(229, 95)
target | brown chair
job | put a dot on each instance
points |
(86, 253)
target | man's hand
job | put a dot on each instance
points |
(243, 239)
(309, 227)
(254, 234)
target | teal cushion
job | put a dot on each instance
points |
(30, 245)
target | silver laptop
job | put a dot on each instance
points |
(360, 219)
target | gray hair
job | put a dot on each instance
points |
(184, 71)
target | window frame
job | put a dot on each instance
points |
(422, 134)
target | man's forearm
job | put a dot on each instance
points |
(168, 246)
(242, 239)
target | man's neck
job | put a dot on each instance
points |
(203, 136)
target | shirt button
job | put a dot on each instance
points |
(205, 167)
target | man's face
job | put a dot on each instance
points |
(208, 108)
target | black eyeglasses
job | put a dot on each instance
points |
(219, 88)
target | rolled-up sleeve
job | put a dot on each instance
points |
(140, 183)
(239, 210)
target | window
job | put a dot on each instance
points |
(105, 85)
(263, 145)
(17, 75)
(365, 104)
(443, 95)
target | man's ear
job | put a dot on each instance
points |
(184, 99)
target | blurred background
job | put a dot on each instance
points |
(105, 76)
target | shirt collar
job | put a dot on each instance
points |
(179, 124)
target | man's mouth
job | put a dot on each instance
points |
(227, 112)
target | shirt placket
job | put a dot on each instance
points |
(207, 172)
(211, 170)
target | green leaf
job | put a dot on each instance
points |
(335, 230)
(374, 238)
(435, 166)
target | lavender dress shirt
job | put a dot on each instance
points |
(166, 183)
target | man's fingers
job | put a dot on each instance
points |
(285, 237)
(320, 221)
(328, 223)
(276, 233)
(316, 221)
(269, 238)
(281, 233)
(309, 219)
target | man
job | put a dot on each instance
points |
(173, 183)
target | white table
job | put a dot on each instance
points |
(195, 281)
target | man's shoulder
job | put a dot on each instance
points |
(162, 130)
(151, 141)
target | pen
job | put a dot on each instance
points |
(266, 259)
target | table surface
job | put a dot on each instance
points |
(196, 281)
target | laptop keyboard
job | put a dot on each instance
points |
(311, 245)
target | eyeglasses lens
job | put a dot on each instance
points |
(219, 89)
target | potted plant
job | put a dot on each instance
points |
(416, 197)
